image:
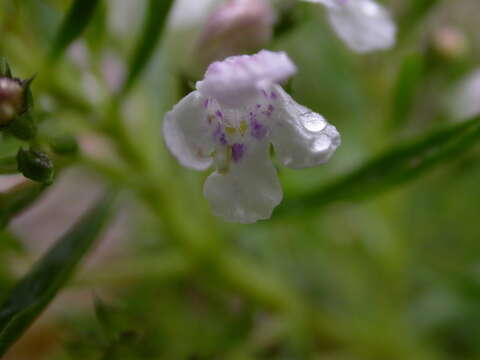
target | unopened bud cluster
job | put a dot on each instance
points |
(17, 119)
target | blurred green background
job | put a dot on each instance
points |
(380, 263)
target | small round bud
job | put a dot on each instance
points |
(35, 165)
(64, 145)
(450, 43)
(11, 99)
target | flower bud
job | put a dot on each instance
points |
(64, 145)
(35, 165)
(236, 27)
(450, 43)
(12, 99)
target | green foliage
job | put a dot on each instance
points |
(77, 19)
(8, 165)
(64, 144)
(415, 12)
(24, 127)
(155, 18)
(407, 86)
(35, 291)
(404, 162)
(18, 199)
(5, 70)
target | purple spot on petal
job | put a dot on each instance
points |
(205, 103)
(264, 93)
(273, 95)
(259, 106)
(219, 114)
(238, 150)
(258, 131)
(270, 108)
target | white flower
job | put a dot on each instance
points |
(229, 122)
(364, 25)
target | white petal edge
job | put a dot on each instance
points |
(364, 25)
(301, 137)
(237, 79)
(187, 133)
(249, 191)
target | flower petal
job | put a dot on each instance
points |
(363, 24)
(249, 191)
(301, 138)
(187, 132)
(236, 80)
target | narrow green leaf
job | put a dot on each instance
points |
(415, 12)
(97, 32)
(154, 24)
(37, 289)
(17, 200)
(406, 88)
(399, 165)
(76, 20)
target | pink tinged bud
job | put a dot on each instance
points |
(11, 99)
(236, 27)
(450, 43)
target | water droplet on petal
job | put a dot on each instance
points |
(321, 144)
(313, 122)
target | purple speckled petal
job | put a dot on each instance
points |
(257, 130)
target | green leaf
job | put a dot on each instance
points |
(406, 88)
(416, 11)
(154, 24)
(396, 166)
(37, 289)
(17, 200)
(76, 20)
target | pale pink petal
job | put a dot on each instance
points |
(236, 80)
